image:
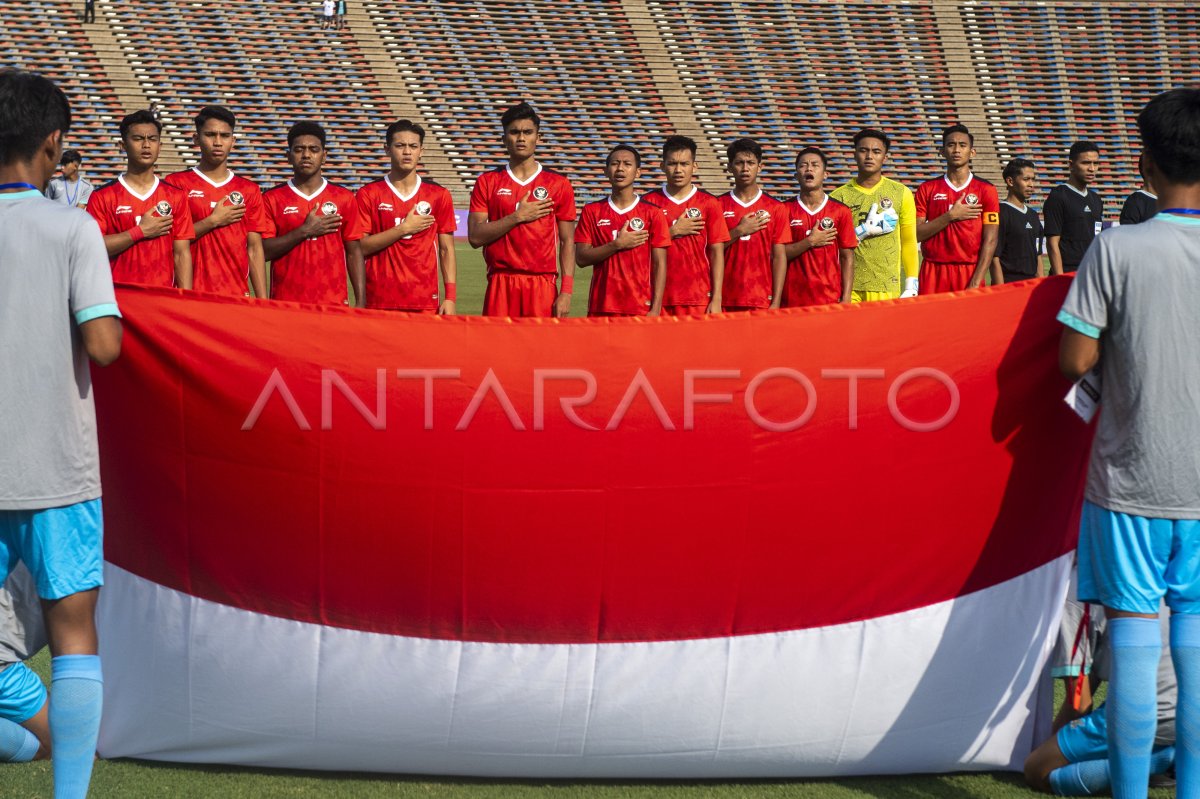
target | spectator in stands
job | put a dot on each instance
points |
(71, 187)
(328, 8)
(24, 712)
(146, 222)
(89, 11)
(408, 227)
(313, 233)
(341, 14)
(755, 259)
(1019, 245)
(696, 258)
(227, 210)
(1130, 310)
(626, 240)
(1074, 213)
(60, 312)
(886, 218)
(958, 217)
(821, 254)
(1142, 204)
(523, 215)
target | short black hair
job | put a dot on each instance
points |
(677, 143)
(215, 112)
(812, 151)
(629, 148)
(958, 127)
(1016, 166)
(743, 146)
(306, 128)
(31, 108)
(1170, 129)
(521, 110)
(139, 117)
(1081, 147)
(71, 157)
(873, 133)
(404, 126)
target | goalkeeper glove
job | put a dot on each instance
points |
(910, 288)
(872, 225)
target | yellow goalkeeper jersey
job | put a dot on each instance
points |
(880, 260)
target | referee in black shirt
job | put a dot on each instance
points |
(1073, 212)
(1019, 248)
(1142, 204)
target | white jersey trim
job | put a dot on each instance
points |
(957, 189)
(396, 191)
(1023, 210)
(525, 182)
(210, 181)
(818, 209)
(309, 197)
(623, 211)
(1083, 194)
(1151, 195)
(142, 197)
(689, 196)
(757, 197)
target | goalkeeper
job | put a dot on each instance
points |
(886, 219)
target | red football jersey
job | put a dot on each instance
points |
(533, 246)
(815, 278)
(960, 241)
(405, 274)
(315, 269)
(622, 283)
(220, 261)
(748, 280)
(689, 274)
(117, 208)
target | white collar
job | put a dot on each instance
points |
(970, 177)
(1077, 191)
(396, 191)
(624, 211)
(209, 181)
(525, 182)
(142, 197)
(757, 197)
(818, 209)
(1149, 194)
(689, 196)
(1024, 210)
(309, 197)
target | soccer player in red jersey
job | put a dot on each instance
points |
(521, 215)
(696, 259)
(755, 260)
(958, 220)
(821, 255)
(626, 239)
(146, 223)
(312, 228)
(408, 227)
(226, 209)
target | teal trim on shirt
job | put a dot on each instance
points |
(20, 195)
(1176, 218)
(96, 311)
(1077, 324)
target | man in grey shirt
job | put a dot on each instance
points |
(1133, 309)
(71, 187)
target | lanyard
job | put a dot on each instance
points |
(4, 186)
(1188, 211)
(67, 191)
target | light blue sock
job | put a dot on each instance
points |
(1091, 777)
(17, 744)
(1185, 651)
(76, 698)
(1132, 703)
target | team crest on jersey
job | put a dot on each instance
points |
(423, 208)
(637, 223)
(540, 193)
(162, 208)
(236, 198)
(693, 213)
(972, 199)
(328, 208)
(885, 203)
(826, 223)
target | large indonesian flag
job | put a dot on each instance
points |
(812, 542)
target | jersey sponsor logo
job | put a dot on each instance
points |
(729, 214)
(540, 193)
(991, 218)
(1087, 210)
(123, 209)
(195, 193)
(291, 209)
(162, 208)
(328, 208)
(423, 208)
(637, 223)
(693, 213)
(797, 223)
(941, 196)
(385, 207)
(1028, 226)
(503, 192)
(972, 199)
(603, 222)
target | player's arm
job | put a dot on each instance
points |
(1052, 212)
(313, 227)
(1052, 250)
(481, 232)
(102, 339)
(846, 261)
(223, 214)
(181, 252)
(928, 228)
(411, 225)
(357, 272)
(987, 251)
(658, 279)
(151, 227)
(1077, 353)
(778, 273)
(716, 271)
(566, 267)
(449, 273)
(997, 271)
(908, 236)
(258, 265)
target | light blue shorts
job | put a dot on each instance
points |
(1085, 738)
(1131, 562)
(22, 694)
(62, 547)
